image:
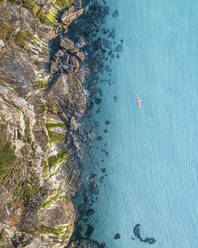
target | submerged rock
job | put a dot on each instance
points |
(94, 188)
(117, 236)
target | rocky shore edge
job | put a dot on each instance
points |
(41, 99)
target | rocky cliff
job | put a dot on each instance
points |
(41, 97)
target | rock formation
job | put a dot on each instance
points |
(41, 97)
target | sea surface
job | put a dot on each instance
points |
(150, 154)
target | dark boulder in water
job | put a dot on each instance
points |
(90, 212)
(94, 188)
(98, 100)
(117, 236)
(115, 13)
(89, 231)
(115, 98)
(148, 240)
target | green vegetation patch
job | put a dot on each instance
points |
(52, 124)
(63, 3)
(22, 38)
(61, 231)
(7, 154)
(30, 187)
(60, 195)
(54, 137)
(55, 163)
(47, 107)
(5, 30)
(27, 131)
(31, 6)
(42, 83)
(49, 17)
(55, 159)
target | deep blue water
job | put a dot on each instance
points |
(152, 160)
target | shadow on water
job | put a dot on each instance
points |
(99, 49)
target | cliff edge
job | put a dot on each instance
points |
(41, 97)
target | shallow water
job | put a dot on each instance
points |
(152, 159)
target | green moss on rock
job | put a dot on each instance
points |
(5, 30)
(49, 17)
(30, 187)
(60, 231)
(55, 163)
(59, 195)
(22, 38)
(53, 136)
(63, 3)
(7, 154)
(27, 131)
(50, 124)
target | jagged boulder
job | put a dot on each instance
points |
(66, 43)
(71, 15)
(73, 124)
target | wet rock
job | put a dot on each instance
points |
(148, 240)
(119, 48)
(114, 98)
(98, 100)
(91, 178)
(81, 42)
(115, 13)
(85, 244)
(90, 212)
(94, 188)
(65, 58)
(80, 155)
(59, 54)
(68, 69)
(74, 62)
(101, 179)
(107, 122)
(76, 141)
(73, 124)
(107, 43)
(89, 231)
(81, 56)
(54, 67)
(108, 69)
(66, 43)
(91, 135)
(117, 236)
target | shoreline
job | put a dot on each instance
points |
(41, 97)
(49, 75)
(101, 49)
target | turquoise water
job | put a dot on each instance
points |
(152, 165)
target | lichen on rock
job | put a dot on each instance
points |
(38, 104)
